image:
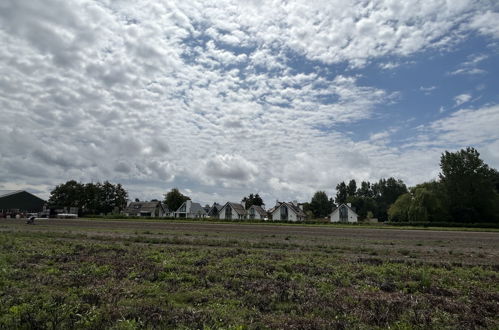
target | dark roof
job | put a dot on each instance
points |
(238, 208)
(259, 209)
(9, 192)
(20, 200)
(297, 209)
(215, 209)
(137, 207)
(197, 208)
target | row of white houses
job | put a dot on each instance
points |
(282, 211)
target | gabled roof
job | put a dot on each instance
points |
(295, 208)
(197, 208)
(4, 193)
(215, 209)
(259, 209)
(236, 207)
(143, 207)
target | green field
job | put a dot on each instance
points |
(93, 274)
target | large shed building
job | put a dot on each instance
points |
(19, 201)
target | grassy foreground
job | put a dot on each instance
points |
(127, 278)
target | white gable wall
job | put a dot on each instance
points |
(352, 216)
(257, 215)
(276, 215)
(235, 215)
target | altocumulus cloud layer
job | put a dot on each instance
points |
(223, 98)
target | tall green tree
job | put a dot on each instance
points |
(252, 200)
(386, 192)
(341, 193)
(174, 199)
(469, 185)
(320, 205)
(352, 188)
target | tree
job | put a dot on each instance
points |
(174, 199)
(69, 194)
(365, 190)
(385, 193)
(341, 193)
(252, 200)
(424, 203)
(90, 198)
(469, 185)
(321, 205)
(399, 211)
(352, 188)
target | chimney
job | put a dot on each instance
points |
(295, 203)
(349, 205)
(188, 204)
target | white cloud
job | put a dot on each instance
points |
(204, 95)
(461, 99)
(486, 23)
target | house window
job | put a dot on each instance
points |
(182, 209)
(343, 213)
(228, 212)
(284, 212)
(252, 213)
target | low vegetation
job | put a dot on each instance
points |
(159, 275)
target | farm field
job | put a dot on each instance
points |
(92, 274)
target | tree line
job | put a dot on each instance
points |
(466, 190)
(89, 198)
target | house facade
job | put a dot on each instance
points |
(232, 211)
(256, 212)
(344, 213)
(284, 211)
(146, 209)
(191, 210)
(214, 210)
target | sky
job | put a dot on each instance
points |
(226, 98)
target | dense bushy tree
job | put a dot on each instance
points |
(321, 205)
(424, 203)
(90, 198)
(341, 193)
(375, 198)
(352, 188)
(385, 193)
(252, 200)
(469, 185)
(174, 199)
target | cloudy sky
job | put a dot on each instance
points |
(223, 98)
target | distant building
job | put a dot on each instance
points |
(256, 212)
(146, 209)
(214, 211)
(19, 201)
(232, 211)
(284, 211)
(344, 213)
(188, 209)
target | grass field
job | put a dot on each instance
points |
(95, 274)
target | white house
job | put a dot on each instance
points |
(344, 213)
(232, 211)
(188, 209)
(256, 212)
(214, 210)
(284, 211)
